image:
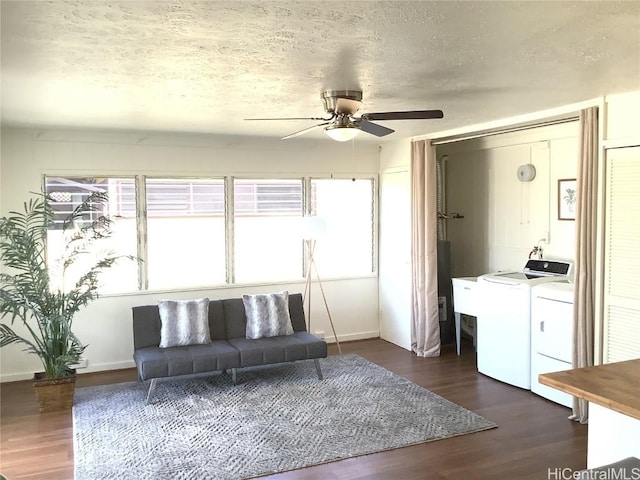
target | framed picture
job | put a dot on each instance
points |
(567, 196)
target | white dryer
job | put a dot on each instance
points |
(504, 319)
(551, 336)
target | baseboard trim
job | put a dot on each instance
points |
(102, 367)
(353, 336)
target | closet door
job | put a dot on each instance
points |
(395, 255)
(621, 305)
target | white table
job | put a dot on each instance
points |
(464, 301)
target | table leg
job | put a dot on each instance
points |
(457, 316)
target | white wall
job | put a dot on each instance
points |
(503, 217)
(395, 155)
(106, 324)
(621, 119)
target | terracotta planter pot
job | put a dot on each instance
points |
(55, 394)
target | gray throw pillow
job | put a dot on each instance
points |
(267, 315)
(184, 322)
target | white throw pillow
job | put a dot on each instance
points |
(267, 315)
(184, 322)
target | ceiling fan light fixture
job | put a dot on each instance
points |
(342, 133)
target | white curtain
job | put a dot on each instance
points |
(585, 266)
(425, 326)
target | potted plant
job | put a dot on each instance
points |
(44, 307)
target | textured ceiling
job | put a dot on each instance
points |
(189, 66)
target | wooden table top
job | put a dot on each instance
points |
(612, 385)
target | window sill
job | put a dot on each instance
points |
(235, 286)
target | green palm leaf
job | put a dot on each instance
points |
(25, 287)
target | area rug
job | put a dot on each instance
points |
(278, 418)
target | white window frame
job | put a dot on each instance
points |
(135, 178)
(374, 215)
(142, 227)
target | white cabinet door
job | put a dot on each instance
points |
(395, 258)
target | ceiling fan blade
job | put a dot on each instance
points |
(291, 118)
(347, 105)
(412, 115)
(302, 132)
(374, 128)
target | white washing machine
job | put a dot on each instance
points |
(504, 319)
(551, 336)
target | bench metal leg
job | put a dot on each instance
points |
(318, 370)
(152, 387)
(234, 376)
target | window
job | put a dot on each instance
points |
(66, 194)
(267, 240)
(203, 232)
(268, 197)
(185, 232)
(346, 247)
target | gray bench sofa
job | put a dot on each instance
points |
(229, 348)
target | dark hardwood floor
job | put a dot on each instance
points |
(533, 434)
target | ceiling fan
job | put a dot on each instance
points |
(343, 126)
